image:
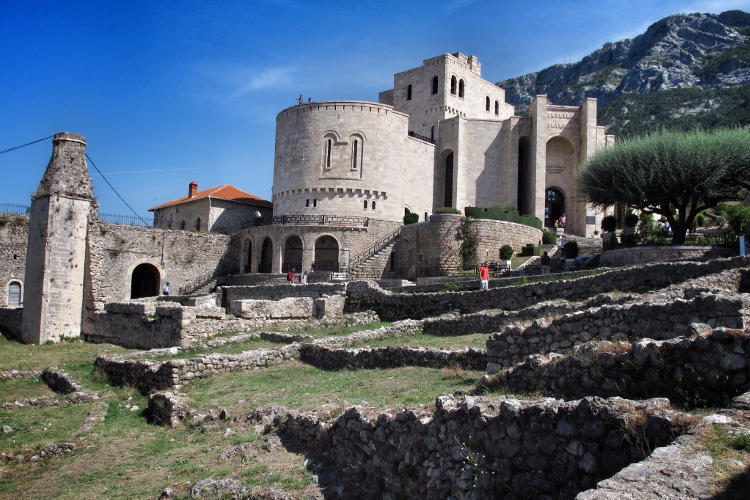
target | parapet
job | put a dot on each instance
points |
(67, 172)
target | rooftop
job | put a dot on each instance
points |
(223, 192)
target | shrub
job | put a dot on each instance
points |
(571, 250)
(447, 210)
(530, 250)
(646, 224)
(469, 244)
(507, 213)
(700, 220)
(609, 224)
(738, 218)
(506, 252)
(549, 237)
(631, 220)
(411, 218)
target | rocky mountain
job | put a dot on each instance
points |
(692, 69)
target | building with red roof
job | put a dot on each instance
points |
(222, 209)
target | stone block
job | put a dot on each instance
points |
(288, 308)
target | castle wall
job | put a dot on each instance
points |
(14, 233)
(309, 179)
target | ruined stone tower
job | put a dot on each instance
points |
(60, 208)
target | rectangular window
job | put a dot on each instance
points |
(315, 202)
(307, 202)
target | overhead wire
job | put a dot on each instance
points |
(115, 191)
(24, 145)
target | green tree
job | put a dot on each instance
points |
(674, 174)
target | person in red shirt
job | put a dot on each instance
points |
(484, 276)
(290, 276)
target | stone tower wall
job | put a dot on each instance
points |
(14, 233)
(393, 170)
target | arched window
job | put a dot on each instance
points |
(14, 293)
(408, 93)
(357, 151)
(327, 149)
(461, 88)
(198, 224)
(315, 202)
(307, 202)
(183, 225)
(497, 108)
(434, 85)
(373, 204)
(453, 85)
(365, 206)
(487, 103)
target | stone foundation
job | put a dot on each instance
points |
(392, 357)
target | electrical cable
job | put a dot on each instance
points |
(115, 191)
(27, 144)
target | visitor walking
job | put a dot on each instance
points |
(484, 276)
(165, 288)
(546, 263)
(563, 221)
(303, 278)
(290, 276)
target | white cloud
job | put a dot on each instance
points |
(230, 81)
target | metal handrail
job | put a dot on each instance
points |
(194, 285)
(374, 248)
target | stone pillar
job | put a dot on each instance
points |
(588, 148)
(538, 154)
(56, 250)
(308, 254)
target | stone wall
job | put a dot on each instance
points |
(363, 295)
(478, 448)
(287, 308)
(14, 233)
(391, 357)
(643, 254)
(627, 322)
(435, 244)
(274, 292)
(706, 370)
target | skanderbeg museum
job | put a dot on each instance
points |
(442, 137)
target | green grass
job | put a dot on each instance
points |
(23, 388)
(478, 340)
(313, 387)
(35, 426)
(726, 450)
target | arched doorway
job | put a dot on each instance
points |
(144, 281)
(448, 192)
(524, 176)
(292, 254)
(247, 256)
(326, 254)
(14, 293)
(554, 206)
(266, 256)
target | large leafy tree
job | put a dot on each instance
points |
(673, 174)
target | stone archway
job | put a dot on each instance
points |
(554, 206)
(326, 254)
(247, 256)
(266, 256)
(292, 258)
(144, 281)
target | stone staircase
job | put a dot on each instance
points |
(374, 266)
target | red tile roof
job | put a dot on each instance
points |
(225, 192)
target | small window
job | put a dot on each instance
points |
(315, 202)
(365, 203)
(453, 85)
(408, 93)
(373, 204)
(327, 153)
(497, 108)
(432, 133)
(434, 85)
(183, 225)
(14, 293)
(487, 104)
(461, 88)
(307, 202)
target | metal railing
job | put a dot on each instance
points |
(329, 220)
(421, 137)
(14, 208)
(373, 249)
(195, 284)
(124, 220)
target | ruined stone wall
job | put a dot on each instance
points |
(363, 295)
(482, 447)
(14, 233)
(705, 370)
(615, 322)
(391, 357)
(644, 254)
(273, 292)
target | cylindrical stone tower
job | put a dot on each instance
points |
(56, 251)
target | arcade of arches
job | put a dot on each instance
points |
(292, 259)
(326, 254)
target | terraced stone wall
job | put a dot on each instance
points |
(275, 292)
(363, 295)
(391, 357)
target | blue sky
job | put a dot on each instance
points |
(167, 92)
